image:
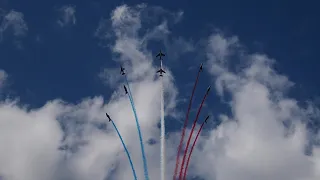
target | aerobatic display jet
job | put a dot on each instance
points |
(161, 71)
(125, 89)
(206, 119)
(208, 89)
(201, 66)
(108, 117)
(122, 70)
(160, 54)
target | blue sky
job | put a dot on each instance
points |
(71, 50)
(287, 34)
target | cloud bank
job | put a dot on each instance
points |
(263, 138)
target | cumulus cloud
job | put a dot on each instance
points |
(67, 16)
(252, 142)
(13, 22)
(263, 138)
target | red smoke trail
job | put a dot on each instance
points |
(193, 145)
(193, 126)
(185, 126)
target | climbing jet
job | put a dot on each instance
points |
(206, 119)
(161, 71)
(160, 54)
(122, 70)
(208, 89)
(125, 89)
(108, 117)
(201, 66)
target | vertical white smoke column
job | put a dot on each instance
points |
(162, 135)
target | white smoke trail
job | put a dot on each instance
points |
(162, 134)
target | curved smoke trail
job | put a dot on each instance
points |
(193, 126)
(185, 126)
(144, 159)
(125, 148)
(193, 145)
(162, 134)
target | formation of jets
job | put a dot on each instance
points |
(160, 71)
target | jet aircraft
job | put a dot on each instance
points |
(161, 71)
(108, 117)
(206, 119)
(201, 66)
(208, 89)
(122, 70)
(125, 89)
(160, 54)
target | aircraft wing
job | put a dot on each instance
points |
(161, 70)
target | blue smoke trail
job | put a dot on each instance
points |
(139, 131)
(125, 148)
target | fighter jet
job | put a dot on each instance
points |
(206, 119)
(122, 70)
(161, 71)
(201, 66)
(208, 89)
(108, 117)
(125, 89)
(160, 54)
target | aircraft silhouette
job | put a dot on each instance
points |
(160, 54)
(206, 119)
(125, 89)
(161, 71)
(208, 89)
(108, 117)
(122, 70)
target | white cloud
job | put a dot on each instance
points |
(250, 144)
(13, 21)
(254, 144)
(67, 16)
